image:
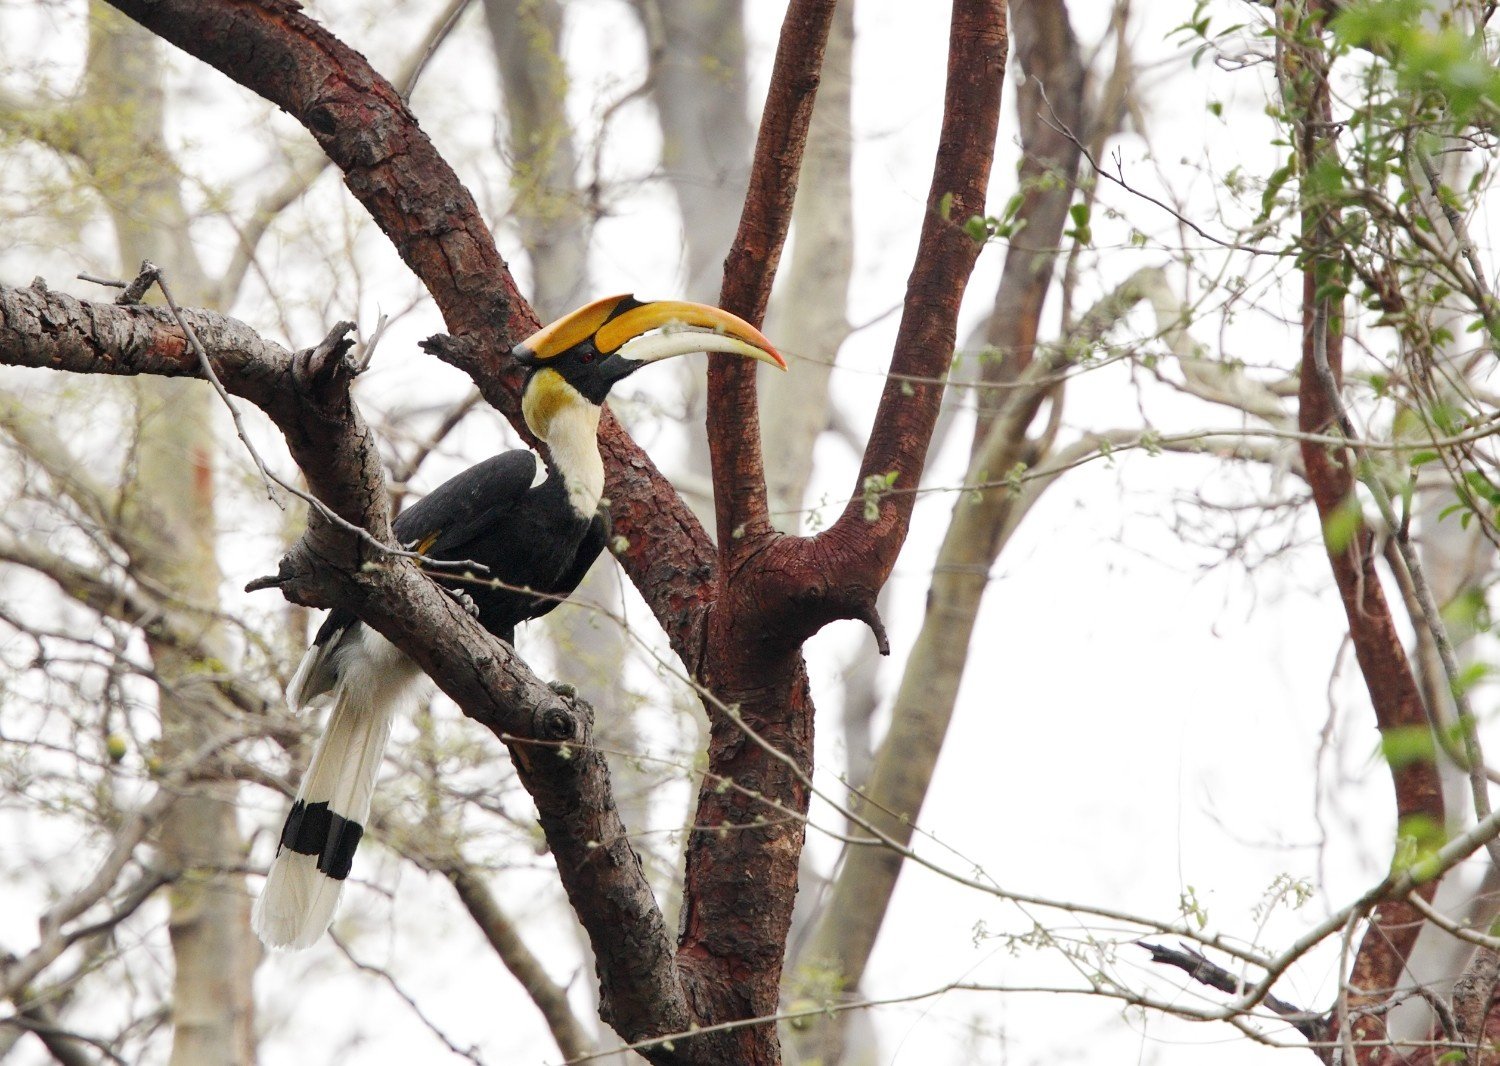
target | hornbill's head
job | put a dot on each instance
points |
(581, 355)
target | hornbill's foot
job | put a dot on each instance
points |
(570, 694)
(464, 600)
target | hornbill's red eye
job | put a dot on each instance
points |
(587, 357)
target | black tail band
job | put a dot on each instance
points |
(313, 829)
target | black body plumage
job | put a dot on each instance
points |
(522, 536)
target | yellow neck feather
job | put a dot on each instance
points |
(560, 416)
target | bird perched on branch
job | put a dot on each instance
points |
(533, 524)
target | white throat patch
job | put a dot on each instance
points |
(573, 438)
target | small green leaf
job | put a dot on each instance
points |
(875, 487)
(1470, 676)
(1274, 185)
(1343, 525)
(1403, 745)
(1419, 837)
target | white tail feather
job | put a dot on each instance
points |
(374, 682)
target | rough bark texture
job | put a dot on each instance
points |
(770, 585)
(808, 316)
(741, 870)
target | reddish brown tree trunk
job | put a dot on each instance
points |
(1380, 961)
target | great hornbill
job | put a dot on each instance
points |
(534, 525)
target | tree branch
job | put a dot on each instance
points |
(733, 417)
(1046, 48)
(550, 998)
(1203, 970)
(838, 573)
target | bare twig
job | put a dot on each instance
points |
(406, 83)
(470, 1053)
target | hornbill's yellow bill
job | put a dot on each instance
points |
(616, 330)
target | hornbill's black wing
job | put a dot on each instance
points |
(466, 506)
(441, 524)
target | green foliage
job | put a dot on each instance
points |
(1274, 184)
(875, 488)
(1343, 525)
(1285, 889)
(1015, 478)
(1191, 909)
(1468, 611)
(1478, 497)
(1419, 838)
(1444, 67)
(1470, 676)
(1402, 746)
(1080, 231)
(1002, 226)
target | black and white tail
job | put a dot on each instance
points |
(369, 683)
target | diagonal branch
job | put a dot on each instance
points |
(1205, 971)
(550, 998)
(945, 257)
